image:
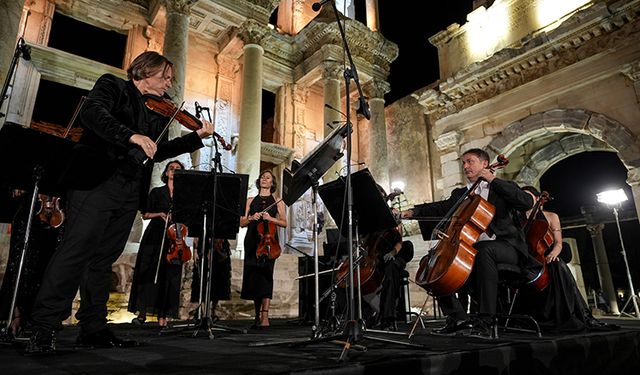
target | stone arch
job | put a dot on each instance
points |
(590, 131)
(556, 151)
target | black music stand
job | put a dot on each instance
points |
(304, 175)
(35, 161)
(210, 204)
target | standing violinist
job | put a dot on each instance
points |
(263, 215)
(559, 307)
(126, 139)
(502, 242)
(155, 288)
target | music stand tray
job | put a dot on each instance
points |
(193, 195)
(370, 210)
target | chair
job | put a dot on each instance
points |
(511, 282)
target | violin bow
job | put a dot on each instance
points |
(164, 235)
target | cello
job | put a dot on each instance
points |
(539, 240)
(448, 265)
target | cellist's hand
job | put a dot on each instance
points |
(487, 175)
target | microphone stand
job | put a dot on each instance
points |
(22, 49)
(354, 330)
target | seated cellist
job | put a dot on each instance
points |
(503, 242)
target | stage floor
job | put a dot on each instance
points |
(611, 352)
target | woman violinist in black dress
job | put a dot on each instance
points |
(147, 297)
(257, 275)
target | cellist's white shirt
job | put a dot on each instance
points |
(483, 190)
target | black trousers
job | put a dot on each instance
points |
(483, 279)
(98, 225)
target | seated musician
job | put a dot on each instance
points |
(559, 307)
(392, 255)
(503, 242)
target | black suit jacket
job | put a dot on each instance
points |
(509, 201)
(113, 112)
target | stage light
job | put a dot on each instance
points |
(397, 186)
(613, 198)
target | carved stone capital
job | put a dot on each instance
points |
(595, 229)
(448, 140)
(632, 71)
(332, 70)
(252, 32)
(376, 88)
(633, 177)
(179, 6)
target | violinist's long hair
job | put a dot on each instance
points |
(164, 178)
(274, 181)
(147, 64)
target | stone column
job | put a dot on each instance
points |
(378, 162)
(372, 15)
(332, 73)
(248, 159)
(176, 42)
(602, 264)
(633, 179)
(632, 72)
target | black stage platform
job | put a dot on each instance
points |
(613, 352)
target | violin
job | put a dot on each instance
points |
(50, 212)
(167, 108)
(179, 252)
(539, 240)
(448, 265)
(269, 247)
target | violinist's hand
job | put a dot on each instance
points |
(163, 216)
(389, 256)
(267, 217)
(206, 130)
(487, 175)
(146, 144)
(553, 255)
(408, 214)
(255, 217)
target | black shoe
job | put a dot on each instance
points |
(103, 339)
(388, 324)
(41, 341)
(452, 326)
(483, 328)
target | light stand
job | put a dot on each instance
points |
(634, 296)
(614, 198)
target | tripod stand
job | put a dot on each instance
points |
(634, 297)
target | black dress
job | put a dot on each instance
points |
(43, 240)
(257, 275)
(162, 298)
(220, 274)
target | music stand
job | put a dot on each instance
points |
(210, 203)
(35, 161)
(304, 175)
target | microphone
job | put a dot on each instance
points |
(334, 109)
(198, 110)
(316, 6)
(25, 49)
